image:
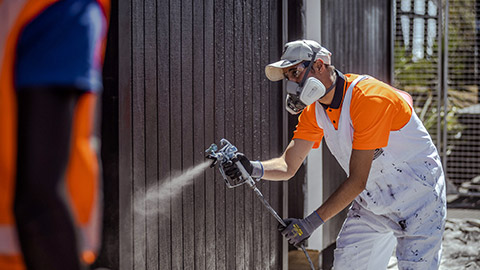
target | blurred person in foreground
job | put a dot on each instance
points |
(50, 187)
(395, 182)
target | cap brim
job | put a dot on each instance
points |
(274, 71)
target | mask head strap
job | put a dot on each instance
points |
(305, 76)
(331, 87)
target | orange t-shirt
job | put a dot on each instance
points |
(376, 109)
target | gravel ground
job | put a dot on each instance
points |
(461, 241)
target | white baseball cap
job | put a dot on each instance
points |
(294, 53)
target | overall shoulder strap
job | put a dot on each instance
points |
(348, 95)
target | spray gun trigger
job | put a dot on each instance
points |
(213, 158)
(214, 162)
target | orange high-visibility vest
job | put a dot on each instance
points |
(83, 171)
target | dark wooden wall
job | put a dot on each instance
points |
(191, 73)
(358, 33)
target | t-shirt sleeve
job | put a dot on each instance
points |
(307, 128)
(372, 118)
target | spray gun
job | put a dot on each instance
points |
(228, 154)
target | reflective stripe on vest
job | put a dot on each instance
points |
(8, 240)
(89, 236)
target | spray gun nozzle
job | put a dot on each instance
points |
(212, 149)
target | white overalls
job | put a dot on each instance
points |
(403, 202)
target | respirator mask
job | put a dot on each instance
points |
(309, 90)
(301, 95)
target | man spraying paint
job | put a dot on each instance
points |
(394, 174)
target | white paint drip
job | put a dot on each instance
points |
(156, 200)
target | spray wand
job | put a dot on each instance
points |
(228, 154)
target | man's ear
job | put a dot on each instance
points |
(318, 65)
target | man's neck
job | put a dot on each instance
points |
(334, 98)
(327, 99)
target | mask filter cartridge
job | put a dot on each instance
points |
(312, 91)
(300, 97)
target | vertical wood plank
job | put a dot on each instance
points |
(138, 114)
(239, 131)
(275, 243)
(209, 98)
(248, 131)
(187, 131)
(220, 241)
(125, 136)
(349, 35)
(164, 131)
(176, 70)
(199, 132)
(275, 113)
(364, 42)
(383, 69)
(265, 128)
(151, 130)
(230, 89)
(258, 74)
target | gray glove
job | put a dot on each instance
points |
(254, 168)
(298, 230)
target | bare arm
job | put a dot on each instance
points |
(285, 166)
(360, 163)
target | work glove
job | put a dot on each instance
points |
(298, 230)
(254, 168)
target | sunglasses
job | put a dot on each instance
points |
(294, 73)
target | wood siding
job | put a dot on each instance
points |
(191, 73)
(358, 33)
